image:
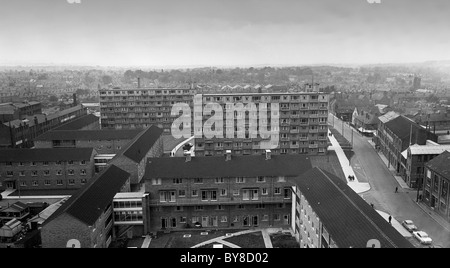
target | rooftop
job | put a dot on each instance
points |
(88, 203)
(349, 220)
(140, 145)
(440, 164)
(46, 154)
(79, 122)
(107, 134)
(428, 149)
(388, 117)
(238, 166)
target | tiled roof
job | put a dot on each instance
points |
(349, 220)
(388, 117)
(238, 166)
(79, 123)
(138, 148)
(90, 201)
(45, 154)
(106, 134)
(440, 164)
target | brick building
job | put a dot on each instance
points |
(15, 111)
(46, 170)
(128, 108)
(327, 213)
(20, 133)
(86, 219)
(302, 125)
(221, 192)
(436, 186)
(395, 134)
(103, 141)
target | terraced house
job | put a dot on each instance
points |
(302, 126)
(221, 191)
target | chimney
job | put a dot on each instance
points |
(139, 82)
(227, 155)
(268, 154)
(75, 99)
(188, 157)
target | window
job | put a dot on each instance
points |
(276, 217)
(236, 192)
(46, 172)
(223, 219)
(70, 162)
(34, 173)
(219, 207)
(47, 182)
(21, 164)
(219, 180)
(265, 218)
(83, 172)
(240, 180)
(23, 184)
(277, 190)
(181, 193)
(177, 181)
(156, 181)
(9, 173)
(83, 181)
(35, 183)
(223, 192)
(260, 206)
(182, 219)
(71, 182)
(33, 164)
(59, 182)
(58, 163)
(59, 172)
(241, 207)
(287, 193)
(198, 208)
(195, 220)
(261, 179)
(281, 179)
(194, 193)
(45, 163)
(236, 219)
(198, 180)
(83, 162)
(178, 208)
(9, 164)
(21, 173)
(264, 191)
(71, 172)
(252, 194)
(167, 196)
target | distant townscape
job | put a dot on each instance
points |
(88, 157)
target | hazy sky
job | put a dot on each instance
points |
(222, 32)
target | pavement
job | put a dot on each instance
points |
(383, 181)
(397, 225)
(358, 187)
(265, 234)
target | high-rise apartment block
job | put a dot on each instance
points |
(302, 123)
(141, 107)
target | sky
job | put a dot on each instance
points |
(222, 32)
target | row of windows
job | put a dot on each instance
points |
(221, 207)
(49, 182)
(212, 195)
(217, 180)
(35, 173)
(45, 163)
(212, 221)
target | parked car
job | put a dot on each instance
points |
(409, 225)
(422, 237)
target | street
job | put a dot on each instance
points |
(402, 206)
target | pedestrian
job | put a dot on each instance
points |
(390, 218)
(396, 189)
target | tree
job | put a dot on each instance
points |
(106, 79)
(53, 98)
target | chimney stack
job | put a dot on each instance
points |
(268, 154)
(227, 155)
(139, 82)
(75, 99)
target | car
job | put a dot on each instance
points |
(409, 225)
(422, 237)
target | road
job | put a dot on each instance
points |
(369, 166)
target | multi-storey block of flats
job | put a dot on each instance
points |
(131, 108)
(302, 124)
(46, 171)
(221, 192)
